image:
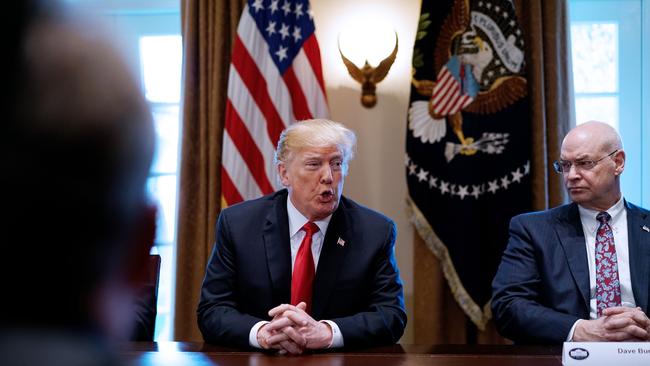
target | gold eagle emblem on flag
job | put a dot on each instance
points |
(479, 61)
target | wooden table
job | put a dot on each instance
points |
(199, 354)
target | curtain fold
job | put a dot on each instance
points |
(437, 317)
(549, 63)
(209, 28)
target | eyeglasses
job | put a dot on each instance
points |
(563, 166)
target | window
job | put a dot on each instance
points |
(160, 59)
(611, 81)
(150, 39)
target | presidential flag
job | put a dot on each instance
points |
(275, 79)
(468, 140)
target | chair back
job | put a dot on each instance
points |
(146, 302)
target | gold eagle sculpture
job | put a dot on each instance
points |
(369, 76)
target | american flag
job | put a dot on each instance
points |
(275, 79)
(455, 88)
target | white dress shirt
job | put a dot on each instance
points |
(618, 223)
(296, 222)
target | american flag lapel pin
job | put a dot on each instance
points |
(644, 227)
(340, 242)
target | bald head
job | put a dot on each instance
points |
(592, 160)
(596, 134)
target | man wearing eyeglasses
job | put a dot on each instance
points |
(578, 272)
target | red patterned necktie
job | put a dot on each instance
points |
(608, 287)
(303, 269)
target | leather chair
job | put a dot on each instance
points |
(146, 303)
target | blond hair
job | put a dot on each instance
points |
(315, 133)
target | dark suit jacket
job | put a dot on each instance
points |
(357, 285)
(542, 285)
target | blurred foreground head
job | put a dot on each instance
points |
(76, 144)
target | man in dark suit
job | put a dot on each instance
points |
(305, 267)
(76, 143)
(578, 272)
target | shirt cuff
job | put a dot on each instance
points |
(337, 337)
(252, 336)
(569, 337)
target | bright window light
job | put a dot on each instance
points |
(595, 65)
(163, 188)
(161, 58)
(597, 109)
(166, 119)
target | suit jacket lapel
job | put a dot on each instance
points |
(639, 248)
(572, 239)
(278, 249)
(331, 257)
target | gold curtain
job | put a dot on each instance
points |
(438, 318)
(208, 29)
(551, 93)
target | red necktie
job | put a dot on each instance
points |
(303, 269)
(608, 289)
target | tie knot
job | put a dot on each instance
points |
(310, 228)
(603, 217)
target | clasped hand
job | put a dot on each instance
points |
(616, 325)
(292, 330)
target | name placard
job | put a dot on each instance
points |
(606, 353)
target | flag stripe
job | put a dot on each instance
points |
(437, 90)
(238, 170)
(300, 109)
(228, 189)
(312, 51)
(256, 85)
(247, 147)
(462, 103)
(455, 106)
(458, 105)
(309, 84)
(449, 94)
(251, 116)
(442, 86)
(453, 96)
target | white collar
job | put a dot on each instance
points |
(588, 216)
(297, 220)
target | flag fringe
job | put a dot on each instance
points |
(479, 316)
